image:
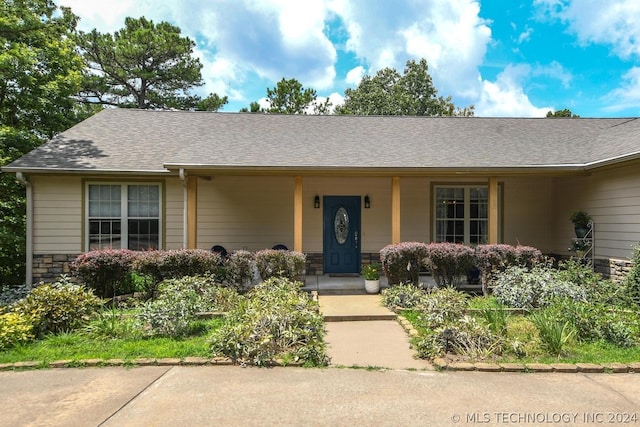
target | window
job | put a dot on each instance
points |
(461, 214)
(123, 216)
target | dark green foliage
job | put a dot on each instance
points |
(276, 323)
(57, 307)
(143, 65)
(632, 280)
(389, 93)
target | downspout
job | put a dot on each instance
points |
(183, 177)
(29, 238)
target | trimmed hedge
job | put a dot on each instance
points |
(402, 262)
(105, 271)
(279, 263)
(174, 264)
(496, 258)
(449, 262)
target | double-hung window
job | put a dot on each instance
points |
(461, 214)
(123, 216)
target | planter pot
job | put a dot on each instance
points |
(581, 232)
(372, 286)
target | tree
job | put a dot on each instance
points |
(213, 102)
(290, 97)
(143, 65)
(389, 93)
(40, 70)
(566, 113)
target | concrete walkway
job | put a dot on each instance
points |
(361, 332)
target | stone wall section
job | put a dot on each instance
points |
(49, 267)
(614, 269)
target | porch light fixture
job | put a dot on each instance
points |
(367, 202)
(316, 202)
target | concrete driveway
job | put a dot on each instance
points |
(233, 396)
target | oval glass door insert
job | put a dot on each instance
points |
(341, 226)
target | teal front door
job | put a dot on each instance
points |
(341, 235)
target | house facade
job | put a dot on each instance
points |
(338, 188)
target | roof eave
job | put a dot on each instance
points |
(69, 171)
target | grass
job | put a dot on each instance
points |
(80, 346)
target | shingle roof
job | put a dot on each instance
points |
(147, 141)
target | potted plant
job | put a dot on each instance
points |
(580, 247)
(581, 220)
(371, 273)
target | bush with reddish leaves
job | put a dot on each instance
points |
(449, 262)
(174, 264)
(106, 272)
(401, 262)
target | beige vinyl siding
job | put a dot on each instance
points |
(612, 198)
(245, 212)
(526, 211)
(57, 214)
(415, 209)
(174, 214)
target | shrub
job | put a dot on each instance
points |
(240, 269)
(402, 262)
(632, 280)
(276, 321)
(598, 289)
(464, 336)
(598, 321)
(15, 328)
(522, 337)
(402, 297)
(495, 258)
(57, 307)
(449, 262)
(178, 303)
(442, 306)
(496, 317)
(520, 288)
(174, 264)
(104, 271)
(280, 263)
(11, 294)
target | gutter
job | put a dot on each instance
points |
(29, 238)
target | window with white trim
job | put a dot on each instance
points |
(461, 214)
(123, 216)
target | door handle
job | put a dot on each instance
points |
(355, 235)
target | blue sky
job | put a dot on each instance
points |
(506, 57)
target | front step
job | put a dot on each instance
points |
(358, 317)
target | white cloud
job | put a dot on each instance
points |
(613, 22)
(354, 76)
(628, 94)
(525, 35)
(505, 97)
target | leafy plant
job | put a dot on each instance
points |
(110, 324)
(402, 297)
(371, 271)
(276, 321)
(280, 263)
(57, 307)
(174, 264)
(493, 259)
(402, 262)
(496, 317)
(11, 294)
(449, 262)
(15, 328)
(580, 219)
(522, 288)
(240, 268)
(442, 306)
(632, 280)
(555, 334)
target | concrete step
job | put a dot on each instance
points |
(343, 308)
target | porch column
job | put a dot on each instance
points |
(493, 210)
(297, 215)
(192, 212)
(395, 210)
